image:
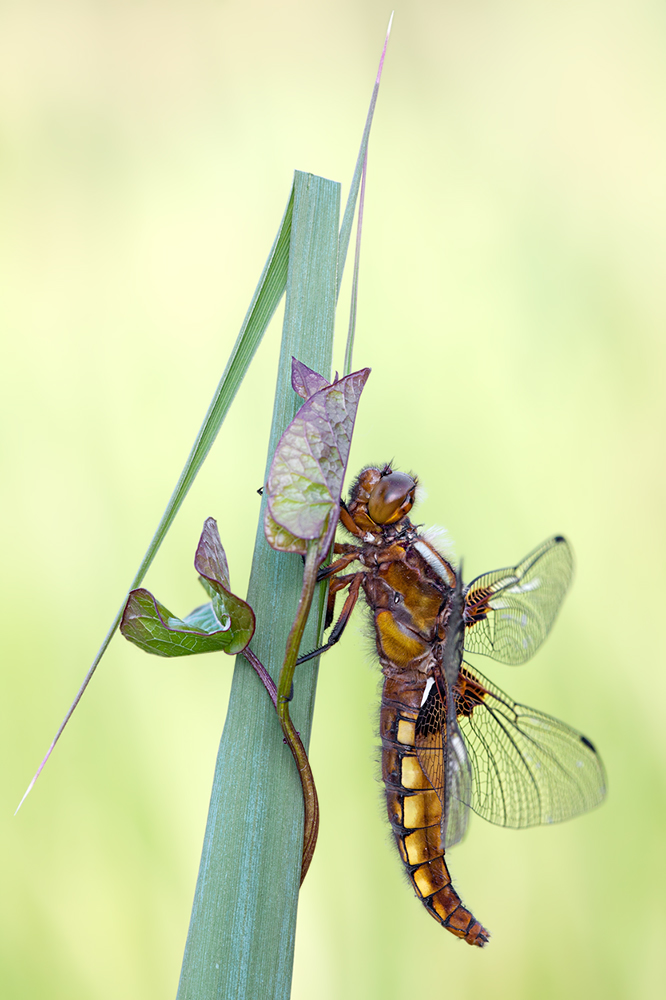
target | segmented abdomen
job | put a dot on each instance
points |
(415, 812)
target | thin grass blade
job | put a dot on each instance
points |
(353, 308)
(268, 293)
(350, 207)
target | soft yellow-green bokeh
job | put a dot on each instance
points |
(512, 309)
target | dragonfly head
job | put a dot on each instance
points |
(380, 497)
(391, 498)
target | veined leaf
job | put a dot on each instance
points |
(210, 563)
(227, 623)
(306, 382)
(280, 539)
(153, 628)
(309, 464)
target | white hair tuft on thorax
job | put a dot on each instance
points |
(440, 540)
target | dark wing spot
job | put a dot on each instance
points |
(430, 720)
(587, 743)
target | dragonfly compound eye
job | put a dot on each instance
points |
(391, 498)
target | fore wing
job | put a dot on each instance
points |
(528, 768)
(509, 612)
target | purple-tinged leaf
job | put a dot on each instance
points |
(152, 627)
(280, 539)
(204, 619)
(227, 623)
(304, 381)
(210, 560)
(308, 468)
(210, 563)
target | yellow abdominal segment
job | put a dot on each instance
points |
(415, 814)
(422, 809)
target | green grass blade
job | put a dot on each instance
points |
(241, 938)
(349, 349)
(350, 207)
(268, 293)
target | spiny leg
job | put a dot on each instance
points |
(326, 571)
(339, 583)
(354, 580)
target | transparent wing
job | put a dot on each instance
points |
(509, 612)
(528, 768)
(441, 751)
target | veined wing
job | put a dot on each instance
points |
(509, 612)
(528, 768)
(443, 756)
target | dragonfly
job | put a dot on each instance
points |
(451, 740)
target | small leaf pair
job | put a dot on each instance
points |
(225, 623)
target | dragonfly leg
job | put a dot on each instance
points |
(342, 548)
(347, 608)
(337, 583)
(336, 566)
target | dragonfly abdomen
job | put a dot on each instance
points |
(415, 814)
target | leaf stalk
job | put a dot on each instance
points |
(310, 800)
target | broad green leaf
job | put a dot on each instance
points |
(309, 464)
(153, 628)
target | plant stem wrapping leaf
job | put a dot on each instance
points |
(303, 502)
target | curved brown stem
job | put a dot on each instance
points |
(310, 801)
(264, 675)
(295, 744)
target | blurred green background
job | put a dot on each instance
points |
(512, 309)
